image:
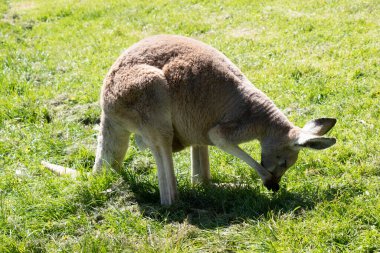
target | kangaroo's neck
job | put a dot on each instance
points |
(267, 120)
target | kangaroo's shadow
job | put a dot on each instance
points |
(216, 205)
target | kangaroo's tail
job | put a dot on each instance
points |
(60, 170)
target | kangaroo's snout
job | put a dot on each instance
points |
(272, 185)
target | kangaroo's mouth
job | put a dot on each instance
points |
(272, 184)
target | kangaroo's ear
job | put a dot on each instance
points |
(313, 141)
(319, 126)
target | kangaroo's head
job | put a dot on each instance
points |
(278, 154)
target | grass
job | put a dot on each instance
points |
(313, 58)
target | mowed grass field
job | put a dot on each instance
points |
(313, 58)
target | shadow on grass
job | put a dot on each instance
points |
(216, 205)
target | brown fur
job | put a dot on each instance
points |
(205, 89)
(174, 92)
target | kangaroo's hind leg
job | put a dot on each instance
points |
(200, 165)
(113, 140)
(161, 147)
(139, 96)
(157, 133)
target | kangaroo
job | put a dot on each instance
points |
(174, 92)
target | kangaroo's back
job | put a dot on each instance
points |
(205, 87)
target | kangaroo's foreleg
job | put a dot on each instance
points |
(219, 140)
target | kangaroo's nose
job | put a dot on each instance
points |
(272, 185)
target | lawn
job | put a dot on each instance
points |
(313, 58)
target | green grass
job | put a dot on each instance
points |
(313, 58)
